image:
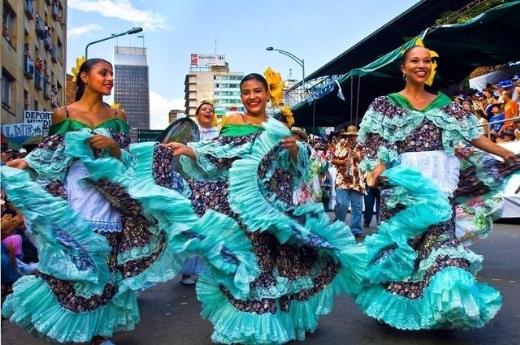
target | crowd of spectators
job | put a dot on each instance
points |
(19, 254)
(497, 108)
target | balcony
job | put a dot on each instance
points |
(40, 27)
(55, 96)
(54, 53)
(38, 80)
(46, 88)
(47, 41)
(28, 70)
(29, 9)
(56, 13)
(54, 101)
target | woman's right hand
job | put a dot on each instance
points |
(372, 176)
(19, 163)
(179, 149)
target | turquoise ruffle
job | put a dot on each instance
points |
(259, 213)
(399, 127)
(33, 305)
(452, 297)
(76, 246)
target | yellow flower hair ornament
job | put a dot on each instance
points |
(275, 83)
(286, 111)
(75, 69)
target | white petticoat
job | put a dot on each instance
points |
(438, 166)
(88, 202)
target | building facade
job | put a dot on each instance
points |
(131, 90)
(209, 79)
(33, 57)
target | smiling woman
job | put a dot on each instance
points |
(420, 276)
(95, 244)
(293, 260)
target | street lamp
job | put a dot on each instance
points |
(129, 32)
(300, 62)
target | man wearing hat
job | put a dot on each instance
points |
(350, 185)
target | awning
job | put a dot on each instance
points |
(488, 39)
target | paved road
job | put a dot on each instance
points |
(170, 312)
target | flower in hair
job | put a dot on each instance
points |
(289, 118)
(75, 70)
(275, 83)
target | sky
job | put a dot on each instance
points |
(315, 30)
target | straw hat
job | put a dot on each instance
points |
(301, 132)
(351, 130)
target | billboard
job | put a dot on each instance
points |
(35, 117)
(20, 134)
(206, 60)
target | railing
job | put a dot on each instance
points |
(54, 54)
(47, 41)
(55, 10)
(46, 88)
(38, 79)
(497, 121)
(28, 67)
(29, 9)
(40, 27)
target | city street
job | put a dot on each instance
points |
(170, 312)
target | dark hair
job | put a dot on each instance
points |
(201, 104)
(407, 51)
(257, 77)
(85, 67)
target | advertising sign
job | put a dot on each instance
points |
(34, 116)
(206, 60)
(22, 131)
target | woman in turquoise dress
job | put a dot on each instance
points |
(419, 275)
(96, 244)
(298, 259)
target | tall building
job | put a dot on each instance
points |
(33, 57)
(131, 88)
(175, 114)
(209, 79)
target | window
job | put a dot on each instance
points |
(25, 99)
(36, 105)
(8, 94)
(9, 24)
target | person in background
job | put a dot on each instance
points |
(372, 197)
(7, 154)
(350, 185)
(516, 90)
(22, 153)
(497, 117)
(206, 121)
(510, 109)
(506, 135)
(205, 114)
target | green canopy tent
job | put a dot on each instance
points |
(488, 39)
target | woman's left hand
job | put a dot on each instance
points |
(510, 157)
(99, 142)
(289, 143)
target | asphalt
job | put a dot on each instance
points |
(170, 312)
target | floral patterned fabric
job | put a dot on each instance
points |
(434, 255)
(349, 176)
